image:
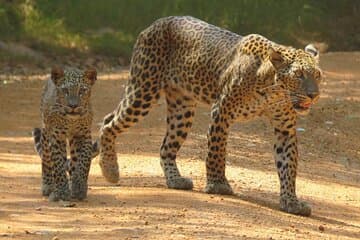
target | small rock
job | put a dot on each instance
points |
(321, 228)
(146, 223)
(38, 209)
(43, 232)
(329, 122)
(67, 204)
(55, 238)
(299, 129)
(251, 145)
(6, 235)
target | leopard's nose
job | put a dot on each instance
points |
(313, 95)
(73, 105)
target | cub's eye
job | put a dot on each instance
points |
(82, 90)
(299, 74)
(65, 91)
(317, 75)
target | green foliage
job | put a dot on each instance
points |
(10, 20)
(110, 27)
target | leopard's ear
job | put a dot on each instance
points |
(276, 59)
(91, 75)
(313, 51)
(57, 74)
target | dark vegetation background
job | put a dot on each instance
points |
(110, 27)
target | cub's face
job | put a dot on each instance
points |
(299, 72)
(73, 90)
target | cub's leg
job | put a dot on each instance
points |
(286, 158)
(81, 151)
(139, 98)
(41, 139)
(58, 158)
(180, 112)
(215, 161)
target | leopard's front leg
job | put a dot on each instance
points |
(215, 161)
(47, 183)
(286, 158)
(58, 158)
(81, 152)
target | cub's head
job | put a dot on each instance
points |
(298, 70)
(73, 89)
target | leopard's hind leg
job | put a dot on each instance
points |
(180, 113)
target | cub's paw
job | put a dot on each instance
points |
(60, 194)
(46, 189)
(79, 190)
(180, 183)
(295, 206)
(218, 187)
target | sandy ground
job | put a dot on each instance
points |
(141, 207)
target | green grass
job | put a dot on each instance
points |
(110, 27)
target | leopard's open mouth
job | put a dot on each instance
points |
(302, 107)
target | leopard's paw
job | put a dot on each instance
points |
(109, 169)
(218, 187)
(108, 162)
(295, 206)
(60, 194)
(180, 183)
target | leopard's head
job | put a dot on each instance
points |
(73, 90)
(299, 73)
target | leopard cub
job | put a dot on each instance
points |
(66, 118)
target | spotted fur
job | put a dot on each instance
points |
(66, 116)
(190, 61)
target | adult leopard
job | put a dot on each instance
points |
(66, 115)
(191, 61)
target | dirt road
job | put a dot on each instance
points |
(141, 207)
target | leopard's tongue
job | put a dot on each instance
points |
(306, 105)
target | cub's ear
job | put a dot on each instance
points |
(57, 73)
(313, 51)
(276, 58)
(91, 74)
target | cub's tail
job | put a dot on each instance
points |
(95, 149)
(37, 140)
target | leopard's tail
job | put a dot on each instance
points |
(37, 140)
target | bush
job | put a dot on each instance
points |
(110, 27)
